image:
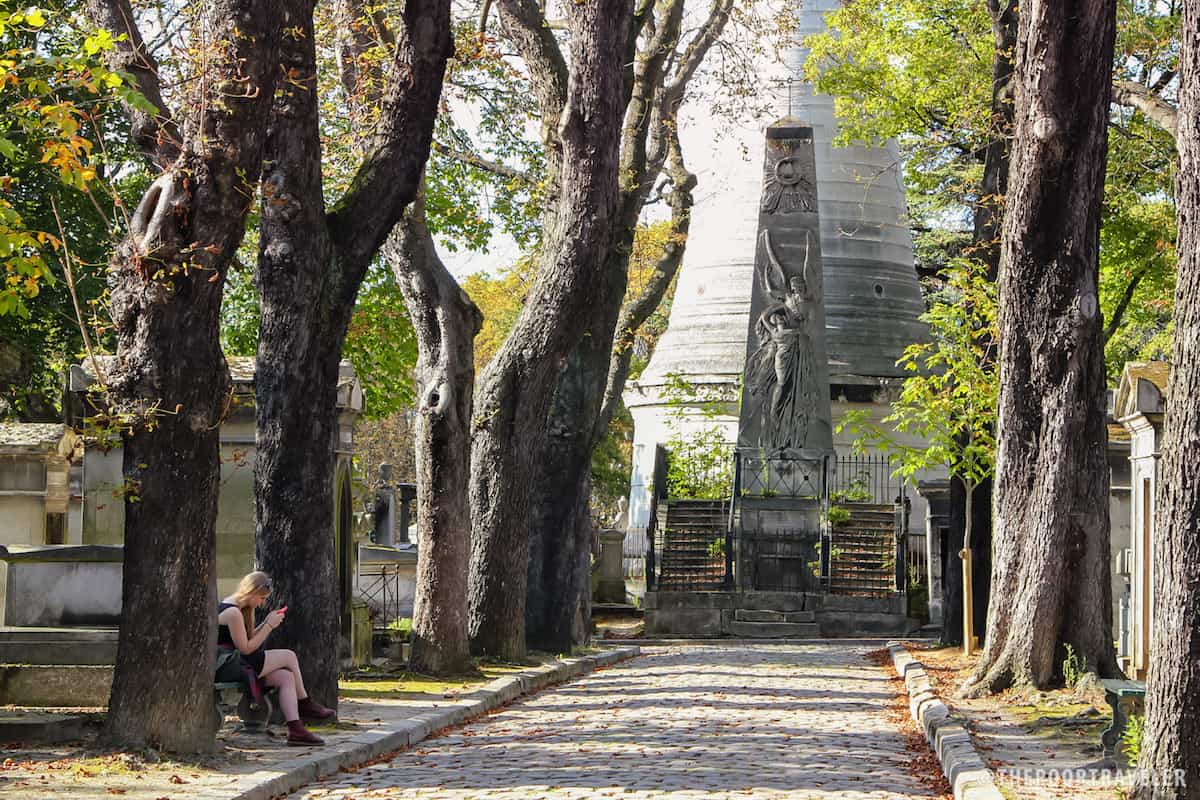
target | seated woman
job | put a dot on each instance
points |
(278, 668)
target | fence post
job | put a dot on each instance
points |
(729, 526)
(651, 532)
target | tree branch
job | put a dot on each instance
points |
(396, 151)
(637, 311)
(156, 135)
(524, 24)
(698, 48)
(485, 164)
(1123, 304)
(1157, 110)
(639, 162)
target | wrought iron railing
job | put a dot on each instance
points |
(866, 478)
(762, 476)
(658, 494)
(379, 586)
(917, 558)
(692, 559)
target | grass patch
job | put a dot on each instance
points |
(410, 685)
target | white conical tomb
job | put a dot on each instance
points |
(872, 297)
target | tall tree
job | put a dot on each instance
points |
(585, 400)
(582, 101)
(169, 375)
(561, 528)
(445, 321)
(956, 135)
(311, 264)
(1169, 767)
(1051, 571)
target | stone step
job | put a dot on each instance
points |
(22, 725)
(702, 526)
(63, 646)
(774, 630)
(762, 615)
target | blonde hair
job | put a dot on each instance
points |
(255, 583)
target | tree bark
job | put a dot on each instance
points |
(584, 402)
(445, 321)
(311, 264)
(170, 377)
(1050, 582)
(1172, 725)
(516, 388)
(586, 394)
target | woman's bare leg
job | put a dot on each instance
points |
(284, 659)
(282, 679)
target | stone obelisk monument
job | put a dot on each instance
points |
(871, 298)
(785, 385)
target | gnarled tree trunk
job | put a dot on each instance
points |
(516, 389)
(1050, 584)
(445, 321)
(1172, 726)
(311, 264)
(558, 605)
(585, 400)
(166, 280)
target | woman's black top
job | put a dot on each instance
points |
(224, 637)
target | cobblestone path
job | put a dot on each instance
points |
(762, 721)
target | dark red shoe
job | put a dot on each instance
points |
(311, 709)
(301, 736)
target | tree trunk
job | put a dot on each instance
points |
(517, 386)
(1051, 575)
(585, 400)
(295, 379)
(166, 280)
(560, 532)
(981, 559)
(445, 321)
(1172, 726)
(310, 267)
(989, 209)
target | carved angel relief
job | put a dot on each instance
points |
(780, 371)
(789, 179)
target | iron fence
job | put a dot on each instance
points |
(761, 476)
(866, 478)
(690, 559)
(917, 558)
(380, 588)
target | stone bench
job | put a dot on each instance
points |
(1119, 694)
(254, 717)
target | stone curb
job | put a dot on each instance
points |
(964, 767)
(290, 775)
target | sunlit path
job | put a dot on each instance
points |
(795, 721)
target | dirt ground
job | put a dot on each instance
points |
(1031, 738)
